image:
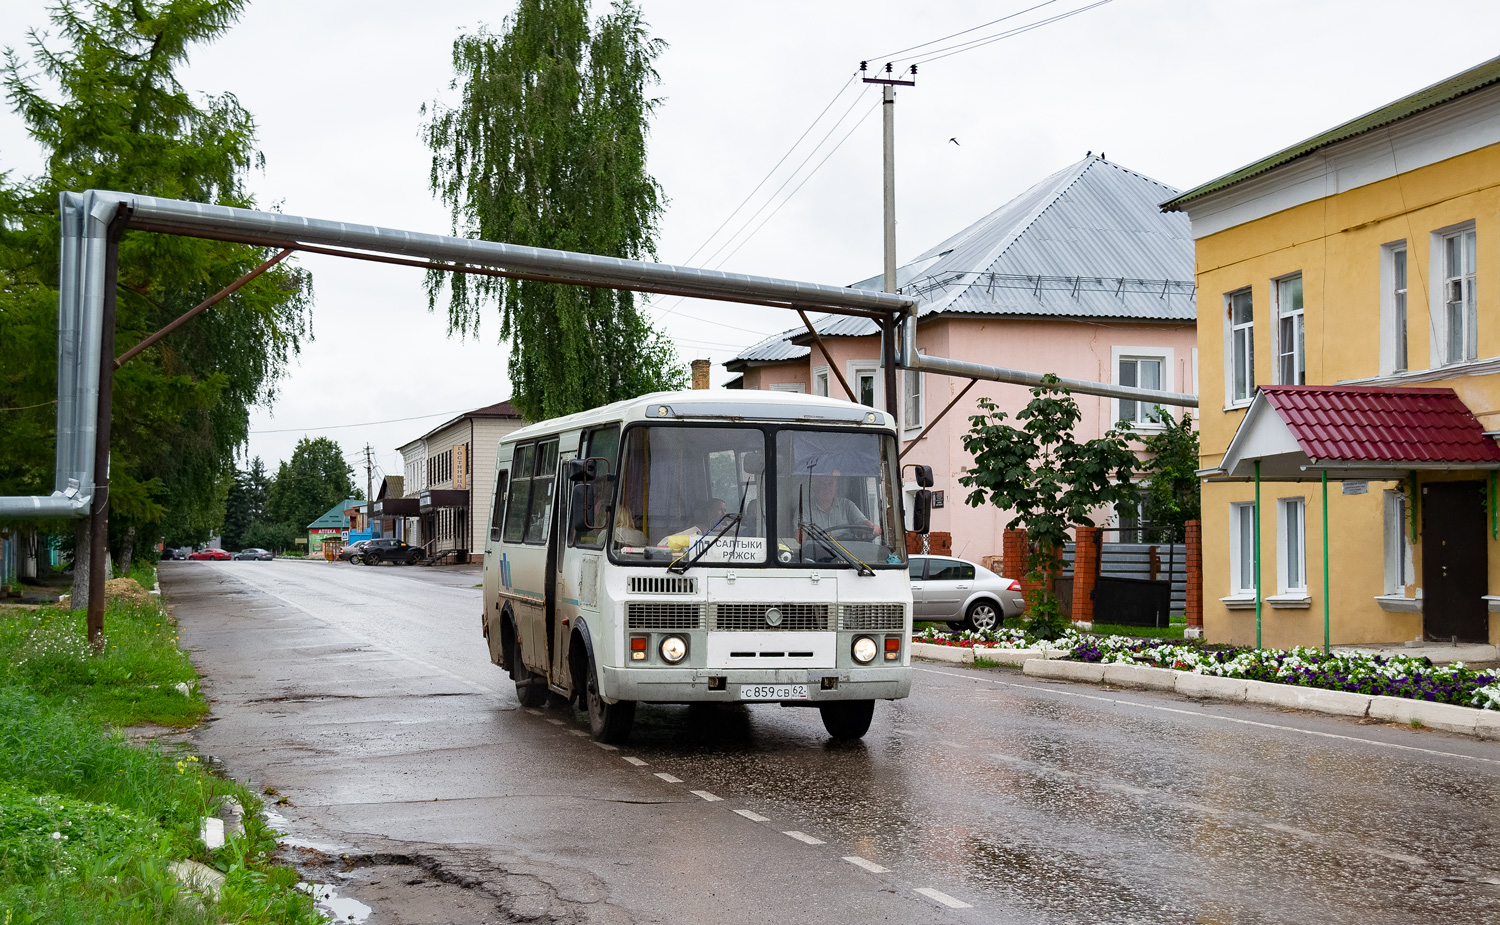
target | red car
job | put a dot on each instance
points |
(216, 554)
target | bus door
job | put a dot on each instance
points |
(528, 516)
(579, 575)
(562, 604)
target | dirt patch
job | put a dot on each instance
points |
(127, 588)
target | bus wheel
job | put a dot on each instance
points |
(609, 722)
(531, 689)
(847, 719)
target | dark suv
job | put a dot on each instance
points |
(390, 550)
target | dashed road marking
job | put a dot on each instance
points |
(606, 746)
(705, 795)
(533, 711)
(941, 897)
(805, 838)
(870, 866)
(554, 721)
(753, 817)
(578, 732)
(668, 778)
(635, 761)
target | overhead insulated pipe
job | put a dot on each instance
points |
(911, 359)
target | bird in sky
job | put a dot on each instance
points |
(955, 141)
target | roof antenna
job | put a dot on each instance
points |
(1102, 157)
(1088, 154)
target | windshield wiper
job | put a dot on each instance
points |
(732, 520)
(833, 545)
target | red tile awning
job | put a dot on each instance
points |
(1355, 432)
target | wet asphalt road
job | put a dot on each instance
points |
(366, 697)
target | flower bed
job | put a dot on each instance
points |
(1003, 638)
(1388, 676)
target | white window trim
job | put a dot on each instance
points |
(1398, 551)
(1168, 357)
(1437, 275)
(1284, 589)
(827, 380)
(921, 422)
(796, 387)
(1388, 306)
(1230, 402)
(854, 367)
(1276, 326)
(1241, 587)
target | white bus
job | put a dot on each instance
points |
(704, 546)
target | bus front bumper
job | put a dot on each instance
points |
(691, 685)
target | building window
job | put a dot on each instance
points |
(864, 386)
(1291, 365)
(1459, 319)
(1292, 567)
(911, 411)
(1242, 549)
(1398, 560)
(1394, 303)
(1241, 347)
(820, 381)
(1144, 373)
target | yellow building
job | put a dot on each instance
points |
(1349, 325)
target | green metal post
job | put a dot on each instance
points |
(1325, 561)
(1256, 514)
(1494, 525)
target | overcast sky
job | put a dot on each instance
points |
(1180, 90)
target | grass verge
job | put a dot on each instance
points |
(90, 824)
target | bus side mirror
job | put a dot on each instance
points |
(581, 511)
(754, 462)
(924, 476)
(921, 513)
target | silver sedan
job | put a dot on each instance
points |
(962, 594)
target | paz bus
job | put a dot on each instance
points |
(703, 547)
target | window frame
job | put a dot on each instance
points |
(1121, 353)
(498, 503)
(1241, 579)
(1395, 308)
(1440, 332)
(820, 380)
(1280, 287)
(1287, 558)
(1232, 331)
(871, 368)
(913, 400)
(1399, 564)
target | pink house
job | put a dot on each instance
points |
(1082, 275)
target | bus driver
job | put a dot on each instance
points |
(829, 510)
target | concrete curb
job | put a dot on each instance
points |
(1484, 724)
(1015, 658)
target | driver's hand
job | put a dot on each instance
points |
(874, 527)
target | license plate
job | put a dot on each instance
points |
(773, 691)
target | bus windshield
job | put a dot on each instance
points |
(690, 495)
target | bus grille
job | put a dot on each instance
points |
(650, 615)
(793, 617)
(652, 584)
(872, 617)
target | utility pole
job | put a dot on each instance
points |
(369, 493)
(888, 330)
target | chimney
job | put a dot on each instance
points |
(700, 374)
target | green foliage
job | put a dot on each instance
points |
(106, 105)
(245, 504)
(1173, 490)
(315, 479)
(273, 536)
(38, 832)
(1047, 480)
(548, 149)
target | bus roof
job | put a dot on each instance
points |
(716, 405)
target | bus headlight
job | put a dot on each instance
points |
(673, 649)
(865, 650)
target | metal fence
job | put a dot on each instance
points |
(1140, 561)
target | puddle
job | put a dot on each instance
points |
(342, 908)
(281, 824)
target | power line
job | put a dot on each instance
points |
(292, 430)
(938, 54)
(891, 55)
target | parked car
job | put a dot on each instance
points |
(962, 594)
(390, 550)
(255, 553)
(172, 553)
(214, 554)
(351, 553)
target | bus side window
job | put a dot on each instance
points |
(497, 515)
(541, 494)
(603, 443)
(520, 495)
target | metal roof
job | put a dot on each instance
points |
(1443, 91)
(778, 348)
(334, 516)
(1390, 424)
